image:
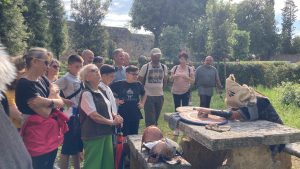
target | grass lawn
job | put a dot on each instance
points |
(290, 114)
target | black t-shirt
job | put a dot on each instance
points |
(27, 90)
(130, 93)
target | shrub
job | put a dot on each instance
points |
(290, 93)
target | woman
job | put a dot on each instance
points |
(14, 113)
(183, 76)
(53, 70)
(38, 99)
(97, 121)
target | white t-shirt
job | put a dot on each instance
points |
(154, 78)
(69, 84)
(88, 105)
(110, 96)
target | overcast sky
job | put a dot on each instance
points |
(118, 14)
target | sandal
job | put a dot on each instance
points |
(216, 127)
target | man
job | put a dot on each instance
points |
(126, 59)
(118, 57)
(98, 61)
(206, 79)
(14, 153)
(154, 76)
(88, 56)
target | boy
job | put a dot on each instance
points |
(71, 88)
(130, 95)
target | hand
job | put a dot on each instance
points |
(141, 105)
(119, 102)
(54, 89)
(68, 102)
(58, 103)
(118, 120)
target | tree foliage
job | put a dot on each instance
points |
(288, 19)
(220, 19)
(241, 45)
(88, 33)
(172, 41)
(257, 17)
(155, 15)
(57, 27)
(12, 29)
(296, 44)
(37, 22)
(197, 38)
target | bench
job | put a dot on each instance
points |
(138, 158)
(293, 149)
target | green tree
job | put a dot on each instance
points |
(197, 38)
(155, 15)
(242, 43)
(12, 29)
(296, 44)
(220, 19)
(172, 40)
(288, 19)
(57, 27)
(257, 18)
(88, 32)
(37, 22)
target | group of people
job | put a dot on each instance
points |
(82, 109)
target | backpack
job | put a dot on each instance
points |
(145, 77)
(188, 69)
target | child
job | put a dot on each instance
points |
(71, 88)
(130, 95)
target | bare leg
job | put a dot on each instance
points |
(64, 161)
(76, 161)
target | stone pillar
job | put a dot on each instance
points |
(199, 156)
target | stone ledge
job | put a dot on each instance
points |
(293, 149)
(139, 158)
(242, 134)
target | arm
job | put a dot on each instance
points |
(88, 106)
(221, 113)
(43, 106)
(142, 101)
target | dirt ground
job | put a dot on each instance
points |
(295, 162)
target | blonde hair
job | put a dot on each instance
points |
(84, 72)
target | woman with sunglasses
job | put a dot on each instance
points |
(39, 100)
(53, 70)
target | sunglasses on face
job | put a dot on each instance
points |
(46, 62)
(55, 67)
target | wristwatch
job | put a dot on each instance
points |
(51, 105)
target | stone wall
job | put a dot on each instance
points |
(134, 44)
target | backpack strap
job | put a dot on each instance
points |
(76, 92)
(144, 80)
(175, 69)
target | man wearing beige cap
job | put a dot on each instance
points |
(154, 76)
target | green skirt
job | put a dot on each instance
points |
(98, 153)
